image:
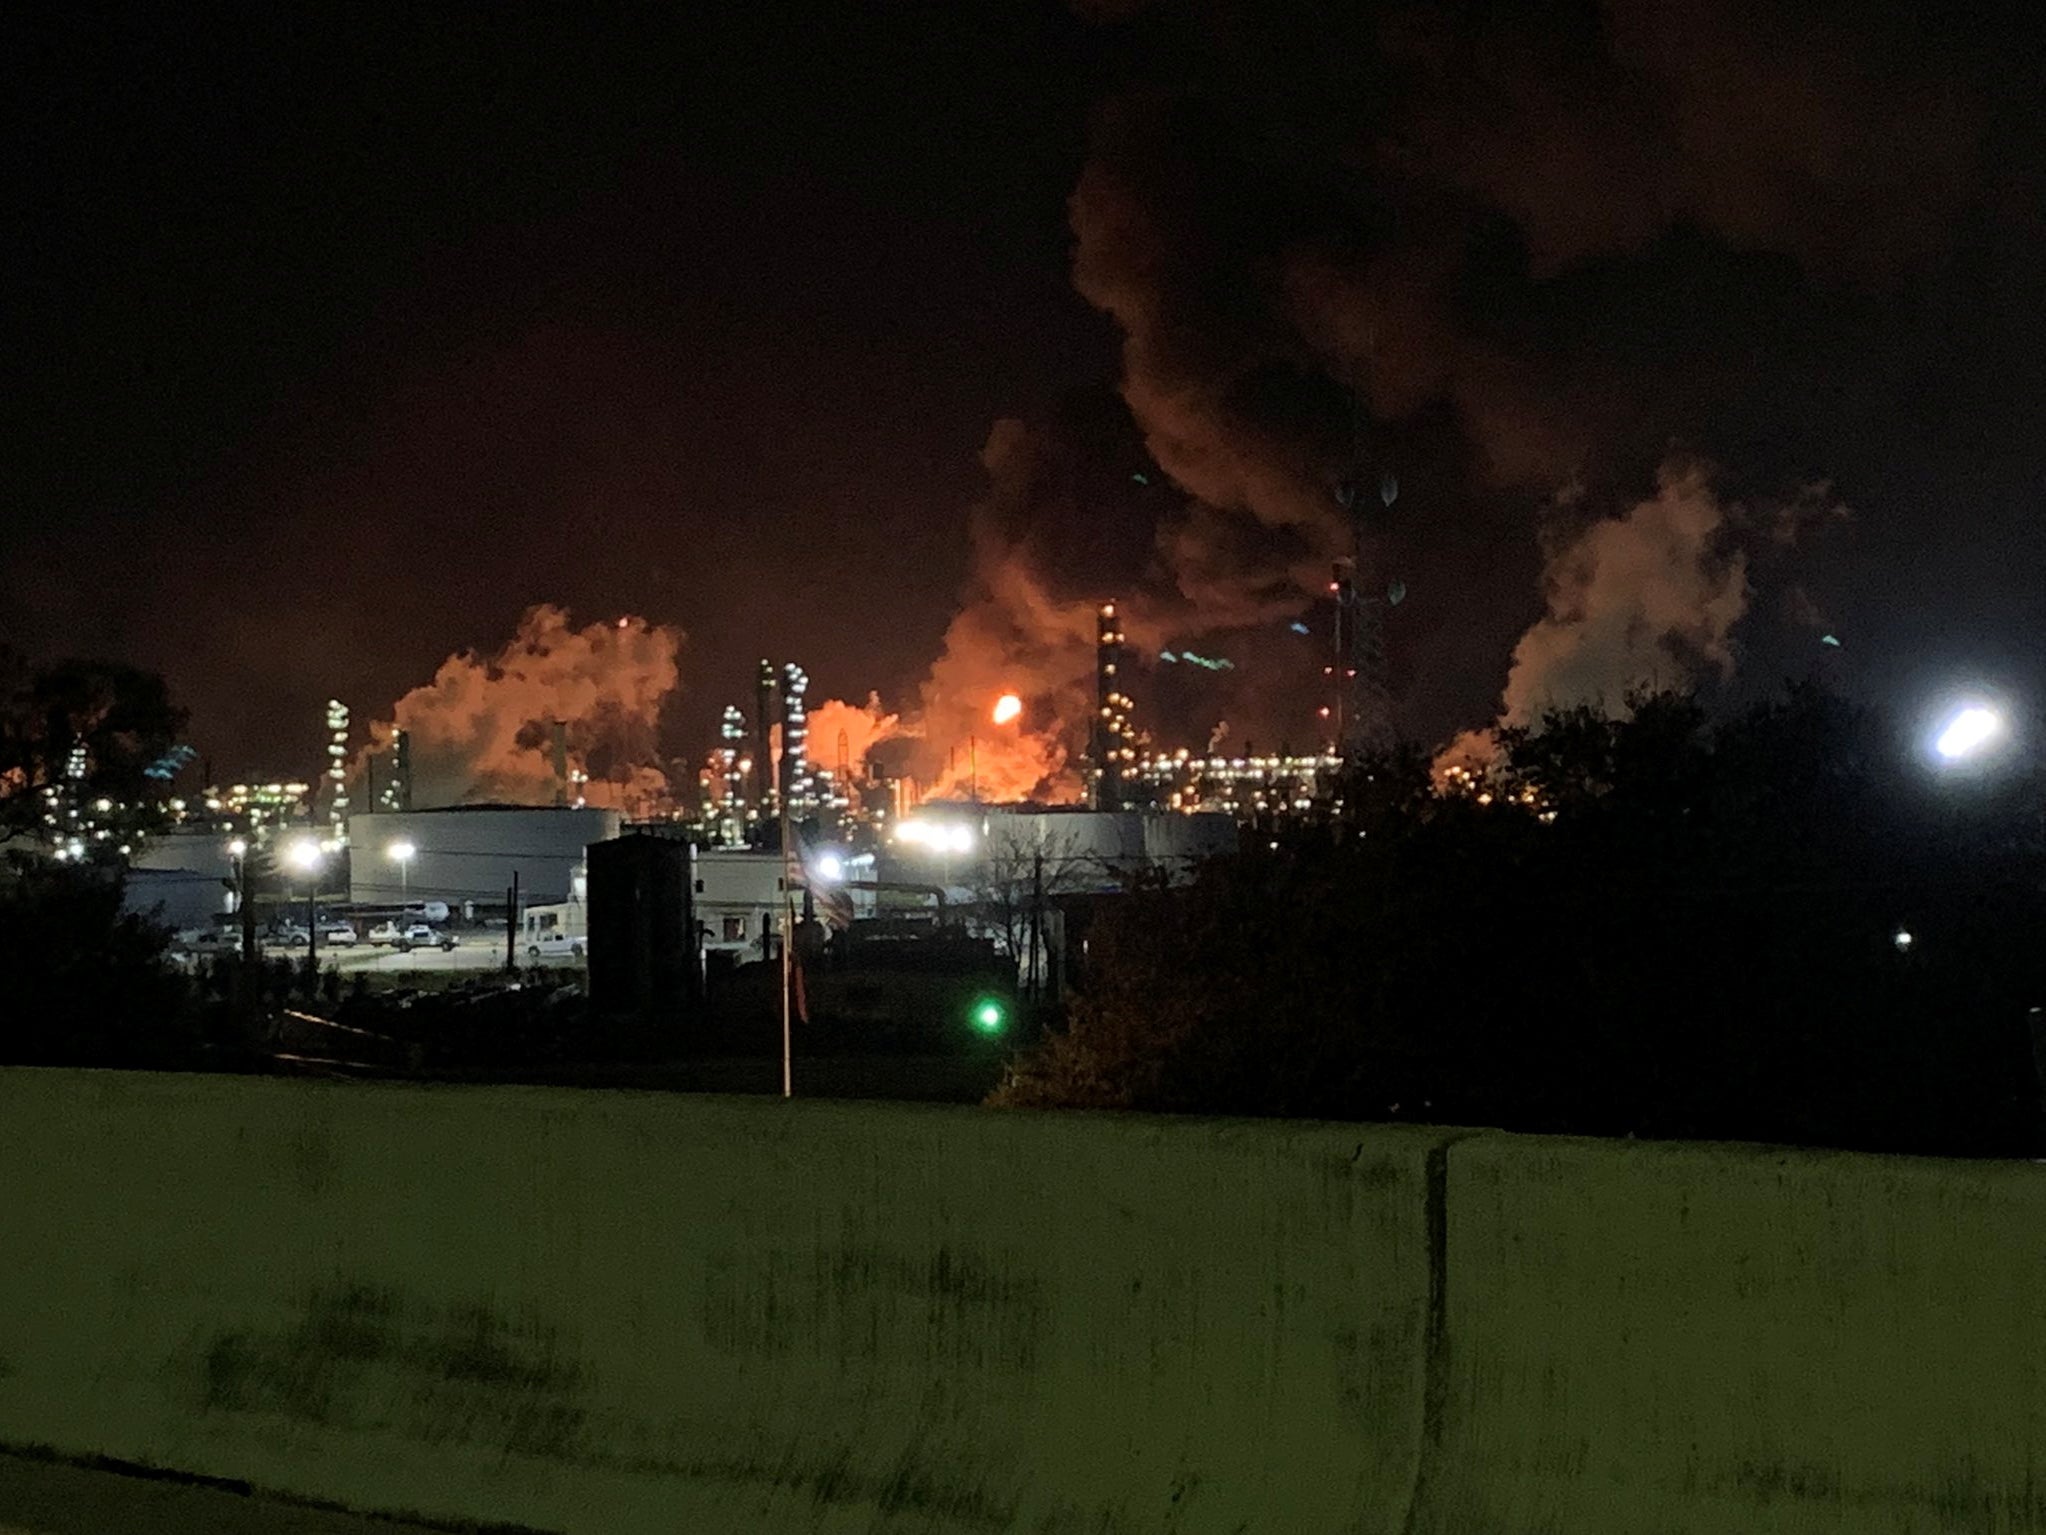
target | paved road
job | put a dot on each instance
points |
(40, 1497)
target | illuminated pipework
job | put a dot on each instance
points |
(396, 793)
(337, 770)
(797, 782)
(1242, 786)
(725, 817)
(766, 790)
(1112, 743)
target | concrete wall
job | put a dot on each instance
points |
(1704, 1339)
(625, 1312)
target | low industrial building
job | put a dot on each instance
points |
(181, 878)
(968, 845)
(469, 855)
(740, 893)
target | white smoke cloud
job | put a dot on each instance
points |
(482, 730)
(1635, 601)
(1648, 599)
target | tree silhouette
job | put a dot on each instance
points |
(1651, 925)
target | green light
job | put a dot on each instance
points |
(988, 1016)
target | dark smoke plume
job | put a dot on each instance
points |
(1529, 245)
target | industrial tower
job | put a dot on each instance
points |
(1359, 708)
(764, 787)
(337, 771)
(798, 786)
(1111, 752)
(730, 765)
(396, 794)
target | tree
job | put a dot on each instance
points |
(121, 718)
(88, 983)
(1007, 884)
(1656, 926)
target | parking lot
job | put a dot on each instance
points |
(478, 951)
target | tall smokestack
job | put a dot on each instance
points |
(1110, 749)
(1358, 714)
(560, 762)
(764, 786)
(1339, 673)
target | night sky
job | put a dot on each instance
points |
(334, 343)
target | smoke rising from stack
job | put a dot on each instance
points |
(1642, 601)
(1648, 597)
(1326, 235)
(1012, 634)
(861, 727)
(1520, 245)
(483, 729)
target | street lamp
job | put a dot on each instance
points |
(1969, 732)
(402, 853)
(304, 855)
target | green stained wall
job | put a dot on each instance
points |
(617, 1312)
(1707, 1339)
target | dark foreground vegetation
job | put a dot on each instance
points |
(1654, 927)
(1660, 926)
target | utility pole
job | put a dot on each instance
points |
(511, 924)
(788, 954)
(247, 911)
(312, 933)
(1036, 916)
(249, 979)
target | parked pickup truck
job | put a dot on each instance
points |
(419, 935)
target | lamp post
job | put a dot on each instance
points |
(1969, 733)
(402, 853)
(305, 856)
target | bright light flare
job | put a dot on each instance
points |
(1007, 708)
(828, 867)
(304, 855)
(936, 836)
(1969, 732)
(402, 852)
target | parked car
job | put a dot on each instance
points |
(553, 946)
(420, 936)
(289, 935)
(338, 933)
(386, 932)
(208, 940)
